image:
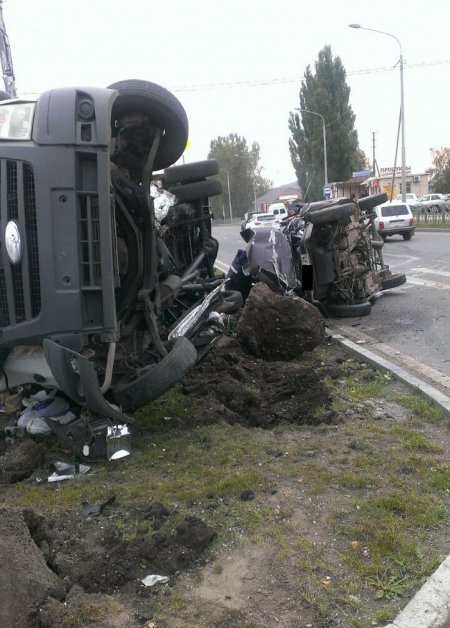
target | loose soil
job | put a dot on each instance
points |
(251, 487)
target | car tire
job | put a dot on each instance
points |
(332, 214)
(369, 202)
(164, 110)
(191, 172)
(407, 236)
(394, 281)
(158, 378)
(196, 190)
(348, 310)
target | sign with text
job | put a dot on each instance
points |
(361, 173)
(389, 171)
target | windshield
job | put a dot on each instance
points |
(394, 210)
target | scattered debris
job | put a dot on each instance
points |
(96, 509)
(149, 581)
(67, 471)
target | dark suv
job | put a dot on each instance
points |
(99, 296)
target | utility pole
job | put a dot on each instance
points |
(373, 153)
(6, 58)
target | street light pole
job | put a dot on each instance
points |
(325, 168)
(402, 102)
(229, 193)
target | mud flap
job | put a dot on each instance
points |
(77, 378)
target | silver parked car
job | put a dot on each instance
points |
(394, 219)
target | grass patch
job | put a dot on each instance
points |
(422, 407)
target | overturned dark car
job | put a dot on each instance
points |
(107, 289)
(328, 252)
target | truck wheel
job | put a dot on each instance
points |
(191, 172)
(157, 379)
(164, 110)
(196, 190)
(332, 214)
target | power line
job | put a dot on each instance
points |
(294, 79)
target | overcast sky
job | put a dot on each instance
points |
(236, 66)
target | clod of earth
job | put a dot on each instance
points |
(277, 327)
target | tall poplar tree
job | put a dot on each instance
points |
(326, 92)
(240, 167)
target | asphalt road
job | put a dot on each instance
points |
(413, 319)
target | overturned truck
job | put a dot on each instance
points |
(101, 296)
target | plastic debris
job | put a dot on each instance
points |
(149, 581)
(67, 471)
(118, 442)
(33, 417)
(92, 510)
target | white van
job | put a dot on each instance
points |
(278, 209)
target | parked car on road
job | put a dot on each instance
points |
(409, 197)
(263, 220)
(429, 198)
(394, 219)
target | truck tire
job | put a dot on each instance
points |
(164, 110)
(191, 172)
(159, 378)
(196, 190)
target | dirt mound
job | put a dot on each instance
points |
(277, 327)
(235, 387)
(46, 556)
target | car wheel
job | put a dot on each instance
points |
(157, 379)
(347, 310)
(164, 110)
(332, 214)
(407, 236)
(398, 279)
(191, 172)
(196, 190)
(369, 202)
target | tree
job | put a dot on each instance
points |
(239, 167)
(441, 169)
(327, 93)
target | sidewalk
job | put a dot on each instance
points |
(430, 607)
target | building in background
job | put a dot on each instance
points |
(365, 184)
(288, 193)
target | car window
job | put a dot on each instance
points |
(264, 217)
(394, 210)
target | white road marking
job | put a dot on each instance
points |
(431, 271)
(427, 283)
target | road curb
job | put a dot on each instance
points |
(430, 606)
(385, 365)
